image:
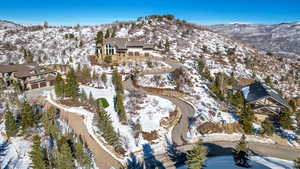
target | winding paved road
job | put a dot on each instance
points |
(223, 147)
(187, 111)
(103, 159)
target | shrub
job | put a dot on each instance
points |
(267, 128)
(285, 120)
(107, 59)
(103, 102)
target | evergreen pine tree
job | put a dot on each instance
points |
(10, 124)
(120, 108)
(197, 156)
(29, 58)
(94, 76)
(65, 158)
(86, 71)
(240, 154)
(285, 120)
(81, 155)
(117, 81)
(200, 66)
(24, 54)
(59, 86)
(167, 46)
(37, 155)
(83, 96)
(104, 78)
(81, 44)
(105, 125)
(107, 34)
(72, 87)
(246, 119)
(27, 116)
(78, 67)
(99, 38)
(48, 122)
(113, 33)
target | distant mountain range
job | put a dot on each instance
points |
(281, 38)
(8, 25)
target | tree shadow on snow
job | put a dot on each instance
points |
(150, 161)
(175, 155)
(134, 163)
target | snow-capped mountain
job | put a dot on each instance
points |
(281, 38)
(8, 25)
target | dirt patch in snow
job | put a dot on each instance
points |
(150, 136)
(69, 103)
(169, 121)
(210, 127)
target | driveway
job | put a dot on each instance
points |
(187, 111)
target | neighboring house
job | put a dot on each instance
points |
(29, 76)
(263, 99)
(125, 47)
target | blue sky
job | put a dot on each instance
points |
(86, 12)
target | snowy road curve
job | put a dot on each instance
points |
(187, 111)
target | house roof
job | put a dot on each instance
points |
(24, 70)
(257, 90)
(120, 43)
(124, 43)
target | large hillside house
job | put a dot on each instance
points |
(263, 99)
(29, 76)
(125, 47)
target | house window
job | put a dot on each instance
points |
(109, 49)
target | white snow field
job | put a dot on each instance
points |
(15, 155)
(149, 116)
(257, 162)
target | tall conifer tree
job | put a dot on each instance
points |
(37, 155)
(65, 158)
(27, 116)
(10, 124)
(197, 156)
(59, 86)
(72, 86)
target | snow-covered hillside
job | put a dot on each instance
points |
(9, 25)
(187, 43)
(277, 38)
